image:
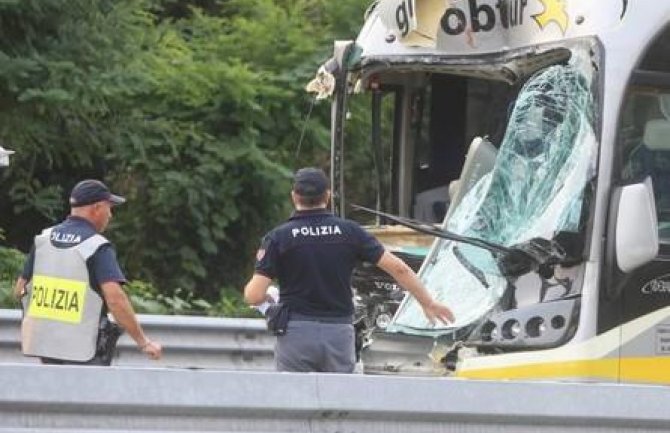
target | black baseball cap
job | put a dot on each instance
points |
(91, 191)
(310, 182)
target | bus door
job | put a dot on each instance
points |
(639, 302)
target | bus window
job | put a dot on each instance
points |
(644, 146)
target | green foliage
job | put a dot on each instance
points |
(11, 264)
(148, 300)
(231, 304)
(7, 295)
(191, 108)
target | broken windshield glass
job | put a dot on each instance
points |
(535, 190)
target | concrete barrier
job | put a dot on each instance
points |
(36, 398)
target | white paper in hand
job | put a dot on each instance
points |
(273, 294)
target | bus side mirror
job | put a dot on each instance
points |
(636, 235)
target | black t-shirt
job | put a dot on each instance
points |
(312, 256)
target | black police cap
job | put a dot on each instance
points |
(91, 191)
(310, 182)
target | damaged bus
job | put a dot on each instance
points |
(531, 139)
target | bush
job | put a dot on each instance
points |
(192, 109)
(147, 299)
(11, 264)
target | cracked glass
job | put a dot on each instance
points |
(535, 189)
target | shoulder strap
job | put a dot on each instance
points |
(87, 248)
(43, 237)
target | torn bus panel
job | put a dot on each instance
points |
(535, 190)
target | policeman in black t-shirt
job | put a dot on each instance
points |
(70, 280)
(312, 256)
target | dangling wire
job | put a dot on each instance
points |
(304, 128)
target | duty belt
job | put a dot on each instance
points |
(323, 319)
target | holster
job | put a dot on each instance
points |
(277, 316)
(108, 336)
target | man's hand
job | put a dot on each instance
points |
(20, 288)
(408, 280)
(152, 349)
(438, 311)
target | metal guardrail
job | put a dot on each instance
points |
(188, 342)
(200, 395)
(36, 398)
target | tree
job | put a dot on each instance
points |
(192, 109)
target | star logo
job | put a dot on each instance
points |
(554, 11)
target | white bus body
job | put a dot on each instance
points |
(512, 121)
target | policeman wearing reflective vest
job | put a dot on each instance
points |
(70, 280)
(312, 257)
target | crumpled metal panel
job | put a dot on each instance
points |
(535, 189)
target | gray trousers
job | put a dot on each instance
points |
(316, 346)
(97, 360)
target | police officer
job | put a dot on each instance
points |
(71, 279)
(312, 255)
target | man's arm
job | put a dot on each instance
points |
(26, 275)
(119, 305)
(255, 292)
(408, 280)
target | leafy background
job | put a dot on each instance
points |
(192, 109)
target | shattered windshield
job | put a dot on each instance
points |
(535, 189)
